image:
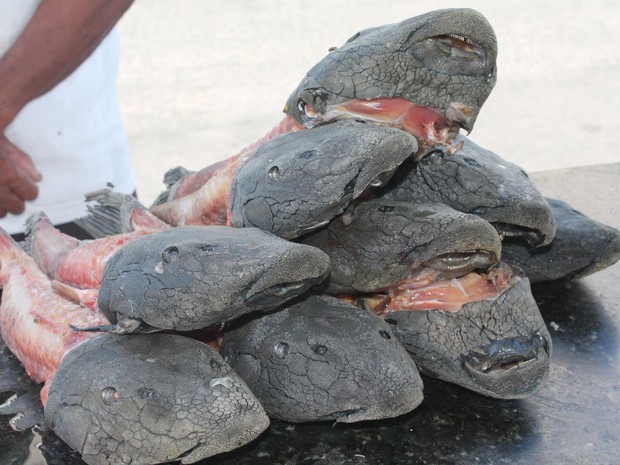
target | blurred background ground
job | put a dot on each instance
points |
(202, 79)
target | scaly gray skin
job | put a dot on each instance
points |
(189, 277)
(477, 181)
(580, 247)
(146, 399)
(379, 242)
(299, 181)
(413, 60)
(323, 359)
(500, 348)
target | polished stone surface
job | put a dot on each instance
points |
(573, 419)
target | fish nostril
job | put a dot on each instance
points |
(504, 355)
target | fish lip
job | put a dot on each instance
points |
(509, 369)
(470, 261)
(533, 237)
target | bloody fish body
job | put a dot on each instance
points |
(100, 389)
(428, 75)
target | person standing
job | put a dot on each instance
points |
(61, 132)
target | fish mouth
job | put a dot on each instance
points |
(460, 46)
(429, 126)
(447, 283)
(265, 297)
(510, 368)
(533, 237)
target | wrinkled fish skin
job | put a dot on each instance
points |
(500, 348)
(477, 181)
(300, 181)
(322, 359)
(413, 60)
(189, 277)
(581, 246)
(377, 243)
(145, 399)
(142, 399)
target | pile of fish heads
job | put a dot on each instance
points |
(460, 208)
(344, 207)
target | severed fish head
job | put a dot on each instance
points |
(190, 277)
(429, 75)
(299, 181)
(478, 181)
(146, 399)
(324, 359)
(498, 347)
(379, 242)
(581, 246)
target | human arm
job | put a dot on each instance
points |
(60, 35)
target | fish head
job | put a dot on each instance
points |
(323, 359)
(148, 399)
(444, 60)
(299, 181)
(581, 246)
(500, 348)
(379, 242)
(189, 277)
(478, 181)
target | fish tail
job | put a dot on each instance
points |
(111, 213)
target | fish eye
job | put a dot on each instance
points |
(281, 349)
(301, 106)
(109, 395)
(170, 254)
(273, 173)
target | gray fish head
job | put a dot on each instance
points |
(500, 348)
(477, 181)
(299, 181)
(146, 399)
(189, 277)
(445, 60)
(323, 359)
(581, 246)
(380, 242)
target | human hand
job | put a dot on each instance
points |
(18, 178)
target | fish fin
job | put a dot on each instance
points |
(171, 177)
(123, 326)
(95, 329)
(174, 175)
(84, 297)
(29, 233)
(110, 215)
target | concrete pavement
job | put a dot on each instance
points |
(202, 79)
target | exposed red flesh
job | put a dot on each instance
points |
(194, 181)
(203, 197)
(76, 263)
(424, 292)
(424, 123)
(34, 320)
